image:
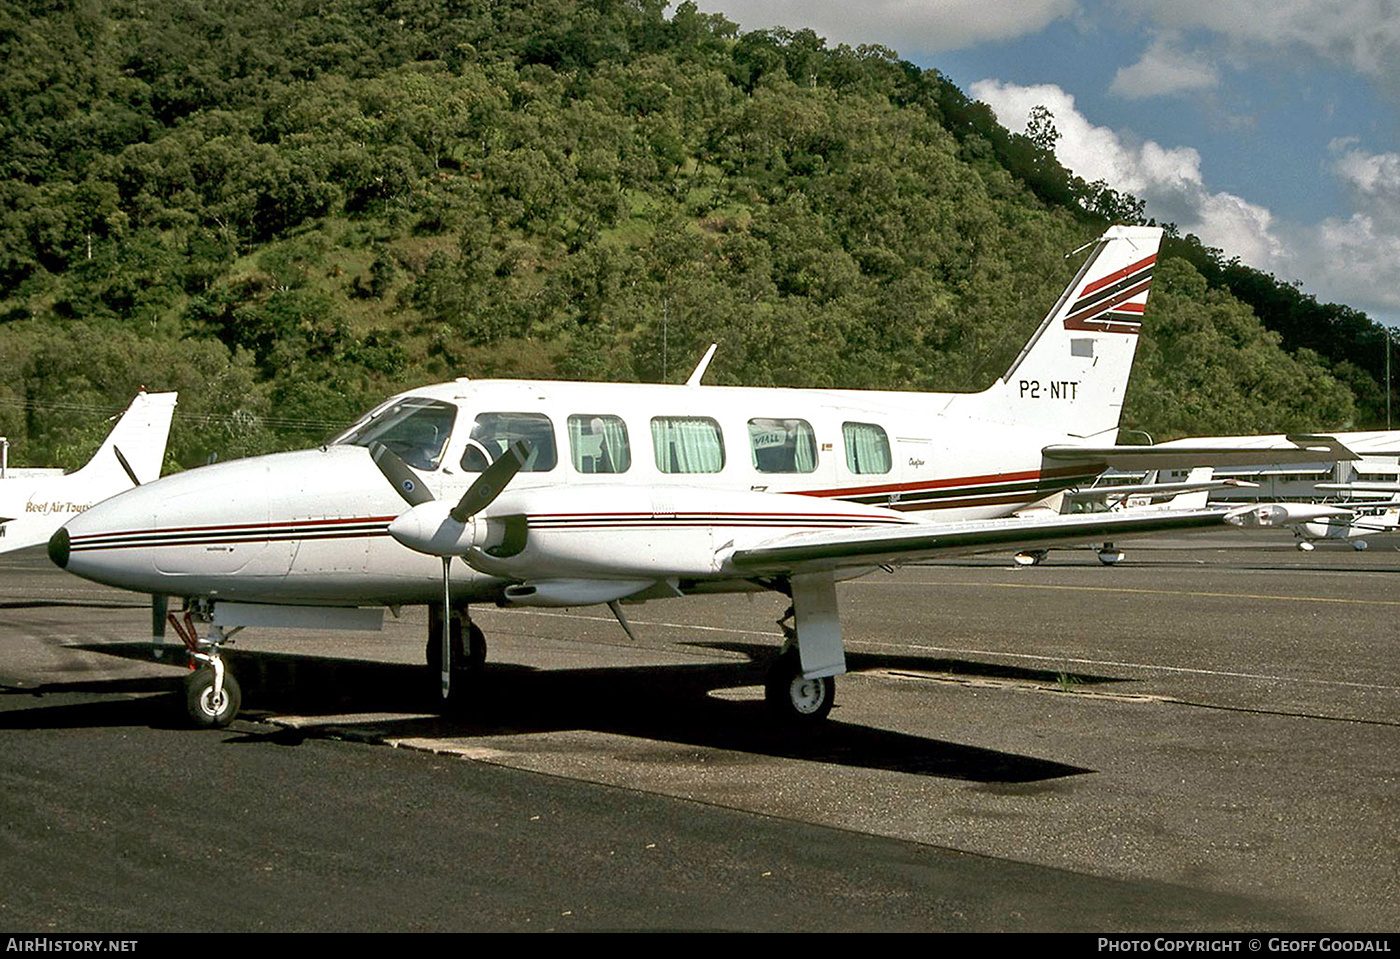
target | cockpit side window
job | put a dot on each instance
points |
(415, 427)
(494, 433)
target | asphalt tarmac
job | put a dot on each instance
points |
(1198, 739)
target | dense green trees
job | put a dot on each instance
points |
(289, 209)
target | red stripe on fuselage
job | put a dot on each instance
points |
(992, 479)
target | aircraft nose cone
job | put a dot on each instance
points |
(59, 548)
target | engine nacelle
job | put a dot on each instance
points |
(572, 592)
(646, 534)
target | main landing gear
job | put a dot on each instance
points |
(212, 695)
(798, 695)
(468, 652)
(793, 699)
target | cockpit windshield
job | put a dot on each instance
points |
(415, 427)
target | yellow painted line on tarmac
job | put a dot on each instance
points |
(1063, 661)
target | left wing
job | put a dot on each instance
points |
(863, 547)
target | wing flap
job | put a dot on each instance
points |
(837, 549)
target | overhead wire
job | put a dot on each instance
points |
(275, 423)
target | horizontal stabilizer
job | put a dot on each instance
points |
(1180, 454)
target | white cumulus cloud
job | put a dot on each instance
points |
(1168, 179)
(1359, 35)
(1348, 259)
(1166, 69)
(1364, 248)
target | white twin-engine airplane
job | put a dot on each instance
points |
(35, 502)
(530, 493)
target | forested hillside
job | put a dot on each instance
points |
(287, 209)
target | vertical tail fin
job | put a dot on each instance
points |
(136, 445)
(1194, 499)
(1073, 373)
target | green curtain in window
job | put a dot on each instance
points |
(687, 444)
(867, 448)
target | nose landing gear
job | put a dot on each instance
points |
(212, 695)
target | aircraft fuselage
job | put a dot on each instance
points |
(630, 483)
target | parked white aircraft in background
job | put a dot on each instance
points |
(1347, 522)
(35, 502)
(531, 493)
(1300, 489)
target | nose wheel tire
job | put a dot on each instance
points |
(206, 709)
(794, 699)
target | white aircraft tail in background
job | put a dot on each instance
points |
(35, 502)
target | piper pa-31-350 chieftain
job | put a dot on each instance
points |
(35, 502)
(529, 493)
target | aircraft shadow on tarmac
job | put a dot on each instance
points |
(63, 603)
(665, 703)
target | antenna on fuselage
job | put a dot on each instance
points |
(702, 366)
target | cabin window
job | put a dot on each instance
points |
(687, 444)
(867, 448)
(493, 434)
(782, 446)
(415, 427)
(598, 444)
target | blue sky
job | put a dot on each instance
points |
(1269, 128)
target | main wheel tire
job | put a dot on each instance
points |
(468, 652)
(475, 658)
(794, 699)
(206, 710)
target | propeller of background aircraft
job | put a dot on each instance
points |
(431, 526)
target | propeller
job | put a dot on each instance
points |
(403, 479)
(426, 530)
(159, 604)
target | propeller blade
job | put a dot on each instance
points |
(491, 482)
(414, 491)
(446, 627)
(131, 473)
